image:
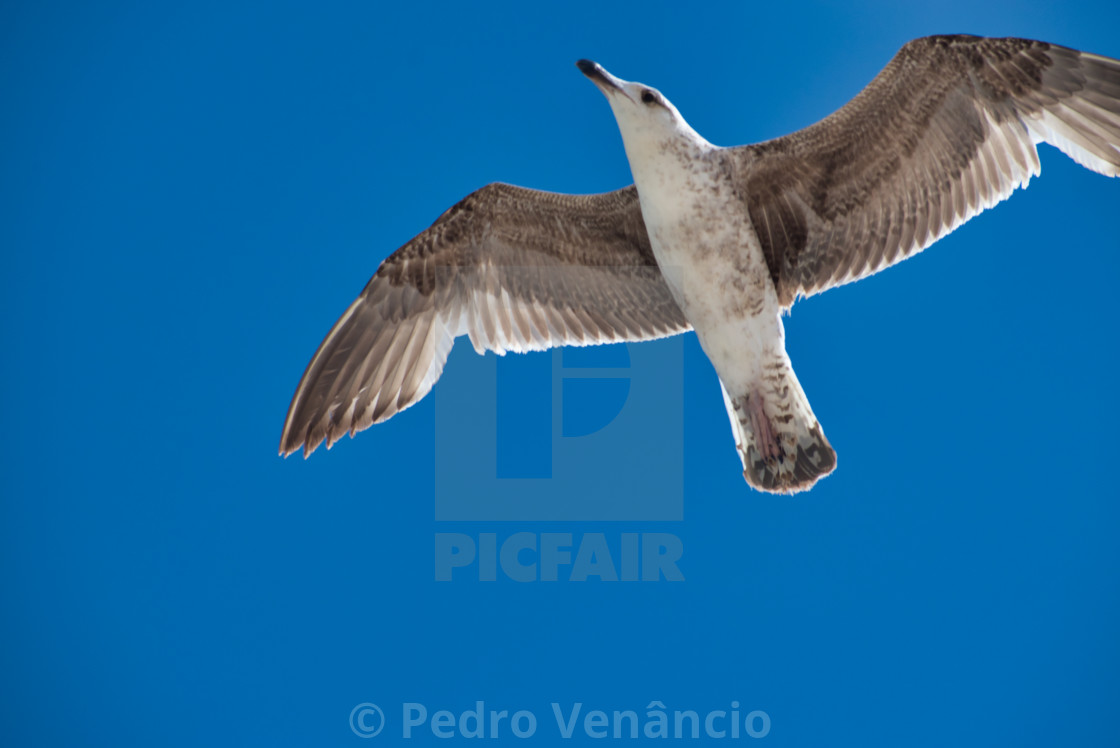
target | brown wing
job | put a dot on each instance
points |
(514, 269)
(946, 130)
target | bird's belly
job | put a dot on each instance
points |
(720, 279)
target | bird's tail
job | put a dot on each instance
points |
(780, 441)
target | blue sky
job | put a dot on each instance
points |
(190, 196)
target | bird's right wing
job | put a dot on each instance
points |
(946, 130)
(512, 268)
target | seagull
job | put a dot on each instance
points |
(717, 240)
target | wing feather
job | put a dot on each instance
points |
(511, 268)
(946, 130)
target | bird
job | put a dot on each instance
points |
(718, 240)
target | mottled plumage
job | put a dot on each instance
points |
(946, 130)
(515, 270)
(721, 240)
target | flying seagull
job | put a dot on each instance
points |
(717, 240)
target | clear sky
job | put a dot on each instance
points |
(190, 196)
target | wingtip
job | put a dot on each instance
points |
(295, 439)
(288, 446)
(288, 451)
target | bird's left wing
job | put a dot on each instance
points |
(946, 130)
(514, 269)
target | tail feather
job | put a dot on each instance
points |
(802, 454)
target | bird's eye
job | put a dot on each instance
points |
(648, 97)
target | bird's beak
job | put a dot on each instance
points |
(606, 82)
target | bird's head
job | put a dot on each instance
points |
(647, 120)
